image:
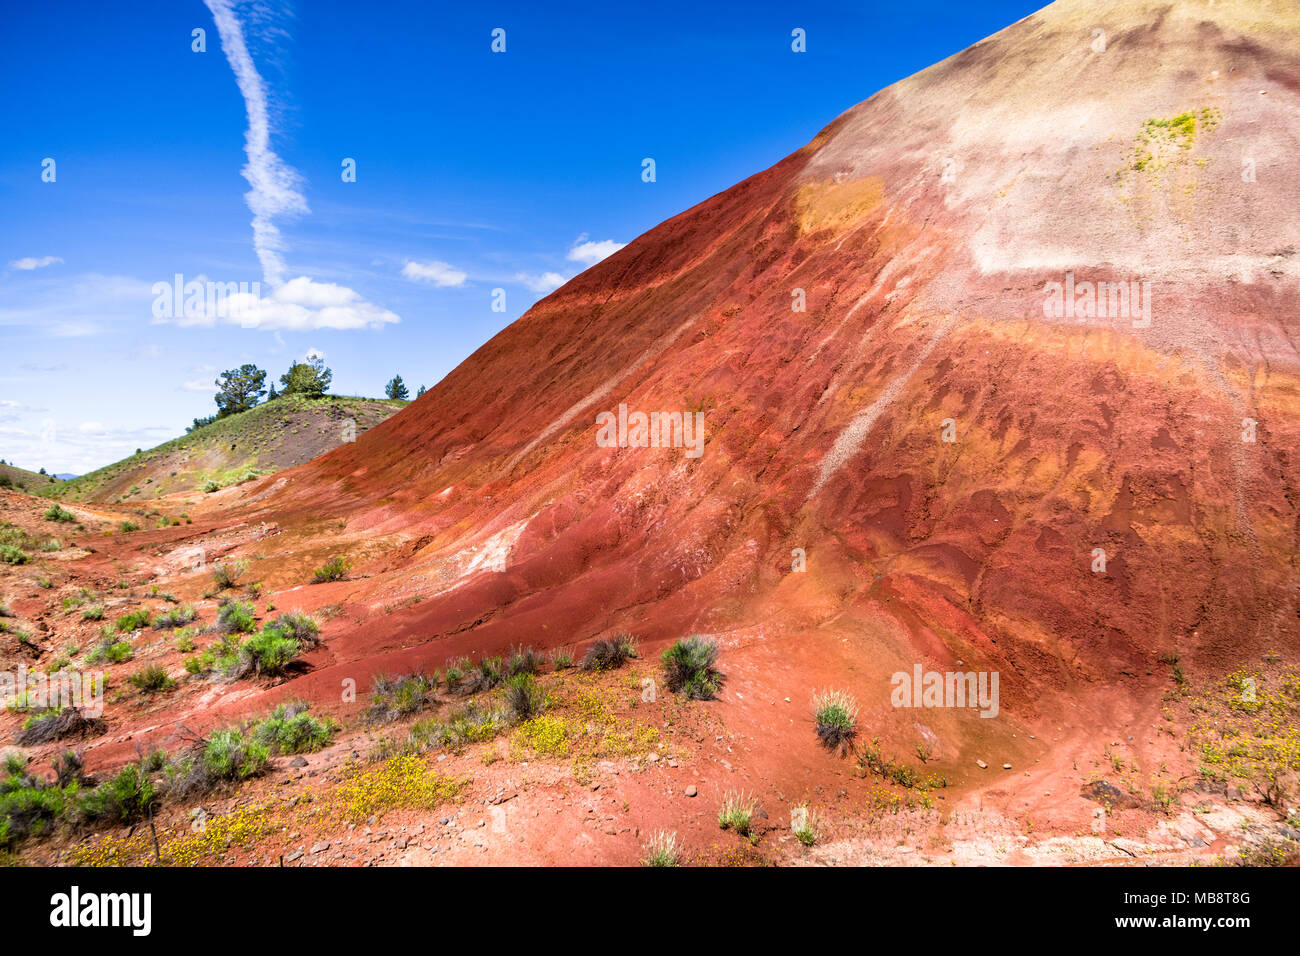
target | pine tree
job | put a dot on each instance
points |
(239, 389)
(396, 388)
(310, 378)
(421, 391)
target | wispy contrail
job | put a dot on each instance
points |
(275, 184)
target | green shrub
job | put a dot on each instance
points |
(807, 830)
(299, 627)
(176, 617)
(688, 668)
(523, 660)
(12, 554)
(456, 671)
(125, 798)
(333, 570)
(227, 756)
(95, 613)
(397, 697)
(609, 653)
(562, 658)
(737, 812)
(661, 849)
(128, 526)
(151, 679)
(836, 714)
(55, 513)
(110, 650)
(267, 653)
(525, 699)
(29, 806)
(484, 675)
(228, 575)
(235, 617)
(291, 730)
(132, 621)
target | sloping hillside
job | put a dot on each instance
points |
(20, 479)
(1063, 496)
(274, 435)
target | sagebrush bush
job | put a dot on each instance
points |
(456, 671)
(484, 675)
(523, 660)
(836, 713)
(608, 653)
(125, 798)
(227, 756)
(332, 570)
(228, 575)
(58, 724)
(298, 627)
(28, 804)
(398, 696)
(176, 617)
(132, 621)
(291, 730)
(524, 697)
(235, 617)
(110, 650)
(688, 668)
(151, 679)
(267, 652)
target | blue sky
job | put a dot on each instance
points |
(475, 171)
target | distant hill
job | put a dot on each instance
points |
(275, 435)
(24, 480)
(65, 476)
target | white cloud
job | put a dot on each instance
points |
(202, 385)
(546, 282)
(313, 354)
(300, 305)
(589, 253)
(29, 263)
(438, 273)
(275, 184)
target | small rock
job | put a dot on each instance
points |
(691, 790)
(320, 846)
(1006, 766)
(298, 761)
(981, 764)
(290, 857)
